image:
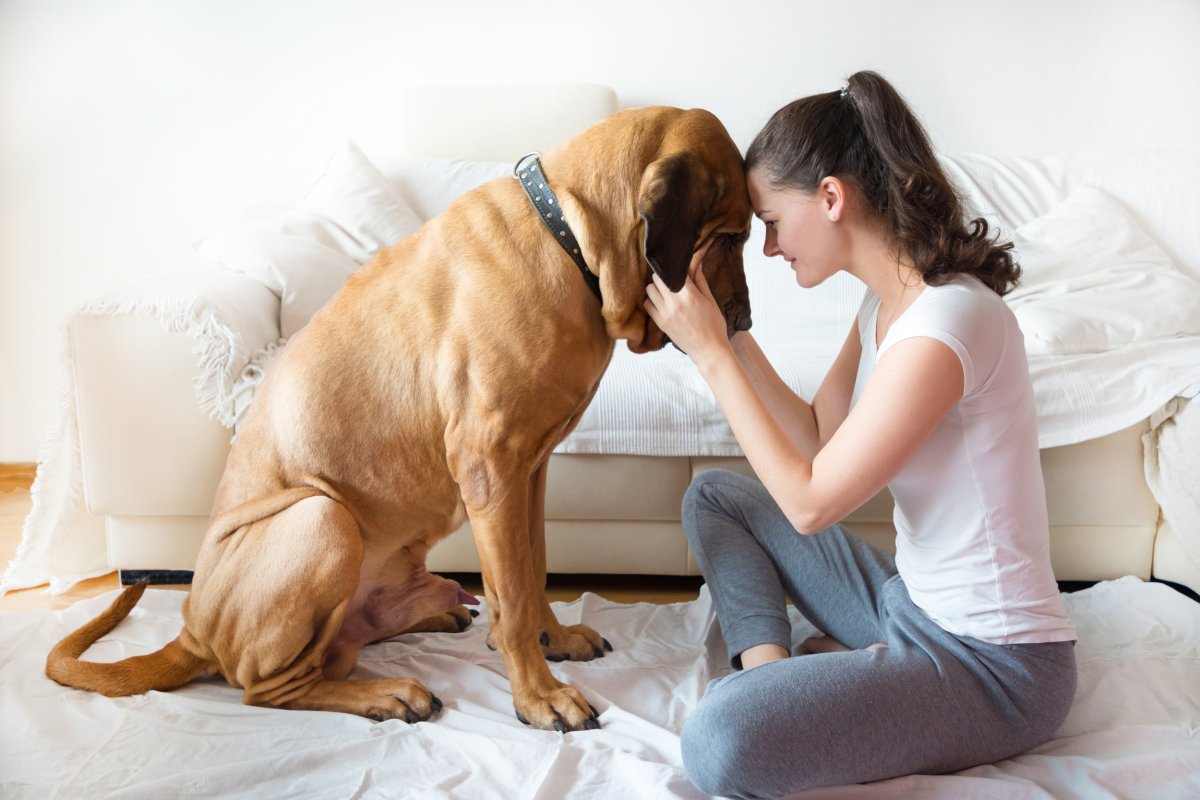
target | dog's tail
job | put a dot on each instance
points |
(168, 668)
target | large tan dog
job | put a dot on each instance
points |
(431, 389)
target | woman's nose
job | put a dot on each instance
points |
(770, 246)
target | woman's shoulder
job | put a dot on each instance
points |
(965, 286)
(966, 296)
(962, 308)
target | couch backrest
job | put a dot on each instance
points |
(490, 123)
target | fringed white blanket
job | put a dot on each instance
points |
(1134, 730)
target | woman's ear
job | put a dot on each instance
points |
(832, 194)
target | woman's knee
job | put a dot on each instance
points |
(731, 745)
(710, 491)
(714, 500)
(712, 752)
(707, 484)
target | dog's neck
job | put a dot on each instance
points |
(528, 172)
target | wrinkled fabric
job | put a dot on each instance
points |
(1134, 730)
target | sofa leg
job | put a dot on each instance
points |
(155, 576)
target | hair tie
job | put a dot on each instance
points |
(844, 92)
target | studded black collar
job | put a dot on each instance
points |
(528, 172)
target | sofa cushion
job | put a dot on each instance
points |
(305, 255)
(615, 487)
(429, 185)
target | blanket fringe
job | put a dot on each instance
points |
(220, 349)
(250, 379)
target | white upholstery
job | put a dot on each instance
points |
(620, 514)
(146, 447)
(1103, 519)
(151, 460)
(154, 542)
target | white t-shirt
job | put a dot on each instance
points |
(973, 537)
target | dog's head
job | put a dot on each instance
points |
(676, 196)
(694, 209)
(695, 212)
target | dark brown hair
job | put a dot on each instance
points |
(868, 135)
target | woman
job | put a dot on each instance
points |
(958, 651)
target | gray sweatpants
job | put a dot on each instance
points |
(929, 702)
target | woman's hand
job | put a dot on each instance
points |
(690, 317)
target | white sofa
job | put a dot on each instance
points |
(151, 458)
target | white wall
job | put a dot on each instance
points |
(129, 129)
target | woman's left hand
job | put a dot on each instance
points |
(690, 316)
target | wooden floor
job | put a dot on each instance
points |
(15, 480)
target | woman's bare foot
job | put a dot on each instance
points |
(761, 654)
(827, 644)
(821, 644)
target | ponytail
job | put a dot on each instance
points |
(868, 135)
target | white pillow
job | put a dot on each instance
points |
(305, 255)
(429, 184)
(1093, 281)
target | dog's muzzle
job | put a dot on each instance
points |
(737, 316)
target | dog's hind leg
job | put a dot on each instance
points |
(456, 620)
(444, 609)
(275, 604)
(406, 601)
(402, 597)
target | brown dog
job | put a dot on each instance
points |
(431, 389)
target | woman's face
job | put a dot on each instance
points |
(801, 228)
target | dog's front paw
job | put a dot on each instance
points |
(560, 709)
(574, 643)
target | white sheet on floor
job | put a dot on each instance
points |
(1134, 730)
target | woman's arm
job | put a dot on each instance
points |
(913, 387)
(809, 426)
(795, 416)
(915, 384)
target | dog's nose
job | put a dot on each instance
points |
(741, 320)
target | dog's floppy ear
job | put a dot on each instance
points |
(675, 196)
